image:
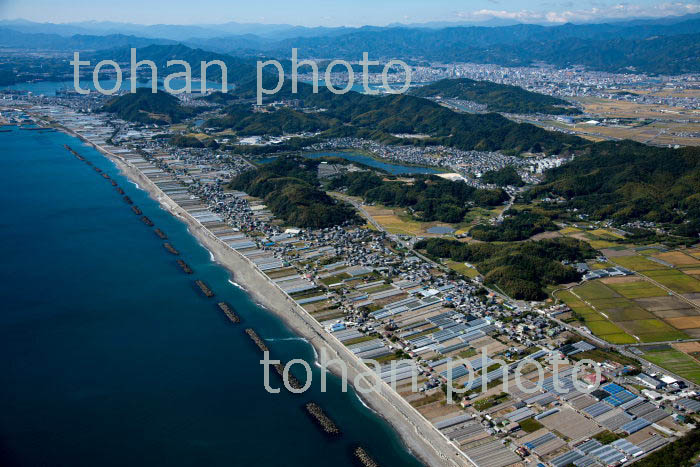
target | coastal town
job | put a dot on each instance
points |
(373, 294)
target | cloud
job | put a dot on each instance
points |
(619, 11)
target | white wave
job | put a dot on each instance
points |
(280, 339)
(235, 284)
(363, 403)
(135, 184)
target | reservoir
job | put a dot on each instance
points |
(394, 169)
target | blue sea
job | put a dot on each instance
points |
(111, 357)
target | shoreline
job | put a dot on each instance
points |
(419, 436)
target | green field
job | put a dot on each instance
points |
(637, 289)
(637, 263)
(621, 338)
(462, 268)
(335, 279)
(603, 327)
(617, 319)
(675, 280)
(596, 322)
(595, 290)
(677, 362)
(652, 330)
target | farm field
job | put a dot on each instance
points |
(677, 362)
(675, 280)
(622, 310)
(396, 221)
(678, 258)
(638, 263)
(636, 289)
(462, 268)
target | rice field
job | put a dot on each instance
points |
(637, 289)
(678, 258)
(595, 290)
(638, 263)
(675, 280)
(611, 314)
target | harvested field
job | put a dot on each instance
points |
(677, 313)
(620, 280)
(617, 253)
(655, 304)
(687, 347)
(678, 258)
(438, 409)
(686, 322)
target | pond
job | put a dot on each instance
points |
(394, 169)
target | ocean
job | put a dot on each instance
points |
(112, 357)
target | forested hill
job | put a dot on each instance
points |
(238, 68)
(381, 117)
(289, 186)
(629, 181)
(143, 106)
(497, 97)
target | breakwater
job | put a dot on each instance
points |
(322, 420)
(204, 288)
(279, 368)
(363, 457)
(184, 266)
(170, 248)
(359, 426)
(228, 311)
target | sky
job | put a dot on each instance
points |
(335, 12)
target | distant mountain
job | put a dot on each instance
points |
(644, 47)
(41, 41)
(650, 46)
(238, 67)
(497, 97)
(173, 31)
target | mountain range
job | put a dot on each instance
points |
(669, 46)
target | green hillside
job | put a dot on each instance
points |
(627, 181)
(497, 97)
(289, 187)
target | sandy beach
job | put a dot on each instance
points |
(423, 440)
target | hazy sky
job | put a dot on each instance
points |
(335, 12)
